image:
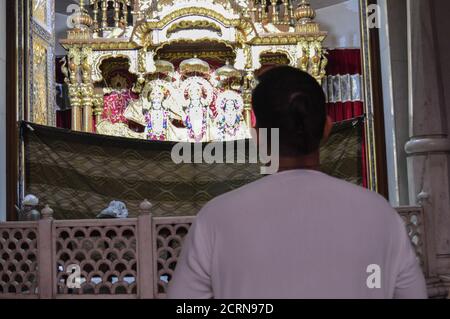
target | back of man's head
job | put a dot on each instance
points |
(293, 101)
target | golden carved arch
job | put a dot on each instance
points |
(278, 58)
(200, 41)
(288, 51)
(189, 25)
(141, 32)
(99, 57)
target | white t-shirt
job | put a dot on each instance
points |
(298, 234)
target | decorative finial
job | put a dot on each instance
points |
(47, 212)
(145, 207)
(304, 13)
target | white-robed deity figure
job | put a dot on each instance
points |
(197, 95)
(155, 110)
(229, 123)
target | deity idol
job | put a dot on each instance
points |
(154, 110)
(156, 114)
(230, 124)
(198, 94)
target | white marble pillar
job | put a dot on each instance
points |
(429, 146)
(394, 72)
(2, 110)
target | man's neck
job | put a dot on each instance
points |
(310, 162)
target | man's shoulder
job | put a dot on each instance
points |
(358, 194)
(345, 187)
(325, 185)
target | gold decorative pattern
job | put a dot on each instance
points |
(206, 40)
(40, 11)
(40, 84)
(194, 65)
(189, 25)
(284, 39)
(163, 66)
(142, 31)
(100, 44)
(75, 93)
(193, 11)
(98, 57)
(217, 55)
(39, 70)
(118, 129)
(274, 59)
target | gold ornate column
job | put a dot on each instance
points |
(146, 64)
(98, 108)
(81, 88)
(249, 81)
(74, 89)
(87, 89)
(247, 96)
(311, 55)
(104, 14)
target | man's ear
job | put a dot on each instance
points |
(327, 129)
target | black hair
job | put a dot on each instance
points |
(293, 101)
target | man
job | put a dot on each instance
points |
(298, 233)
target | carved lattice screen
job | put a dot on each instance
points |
(19, 259)
(110, 254)
(169, 234)
(104, 251)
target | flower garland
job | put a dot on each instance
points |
(187, 122)
(153, 136)
(238, 104)
(231, 130)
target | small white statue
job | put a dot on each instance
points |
(197, 95)
(230, 124)
(115, 209)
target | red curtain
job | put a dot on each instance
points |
(347, 62)
(342, 62)
(64, 119)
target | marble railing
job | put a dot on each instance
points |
(111, 258)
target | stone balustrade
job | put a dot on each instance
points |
(115, 258)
